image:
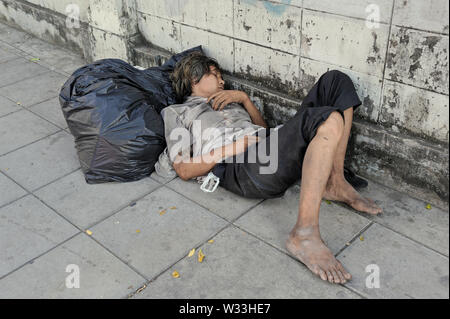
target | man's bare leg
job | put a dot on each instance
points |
(304, 240)
(338, 188)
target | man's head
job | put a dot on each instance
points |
(197, 75)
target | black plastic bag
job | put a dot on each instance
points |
(113, 111)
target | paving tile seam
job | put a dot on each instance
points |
(356, 236)
(42, 117)
(82, 231)
(40, 200)
(193, 201)
(56, 212)
(63, 242)
(35, 190)
(29, 109)
(393, 230)
(184, 256)
(355, 291)
(26, 78)
(265, 241)
(9, 44)
(28, 192)
(53, 68)
(445, 209)
(37, 103)
(248, 210)
(11, 179)
(12, 59)
(255, 236)
(284, 253)
(12, 112)
(38, 140)
(49, 66)
(40, 255)
(412, 239)
(18, 198)
(369, 223)
(163, 182)
(121, 208)
(12, 101)
(26, 54)
(55, 180)
(226, 226)
(91, 237)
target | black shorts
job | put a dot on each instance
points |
(334, 91)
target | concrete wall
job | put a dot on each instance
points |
(94, 28)
(395, 51)
(401, 67)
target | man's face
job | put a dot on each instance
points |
(209, 84)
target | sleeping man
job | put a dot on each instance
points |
(221, 132)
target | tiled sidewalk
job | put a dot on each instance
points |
(46, 208)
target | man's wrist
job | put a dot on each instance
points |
(218, 154)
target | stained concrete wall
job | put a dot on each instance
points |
(400, 67)
(94, 28)
(395, 51)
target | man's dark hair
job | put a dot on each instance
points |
(189, 71)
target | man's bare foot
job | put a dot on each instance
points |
(306, 245)
(338, 189)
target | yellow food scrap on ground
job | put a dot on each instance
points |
(18, 103)
(200, 256)
(88, 232)
(138, 231)
(173, 207)
(428, 206)
(211, 241)
(361, 238)
(34, 59)
(140, 289)
(192, 252)
(175, 274)
(162, 212)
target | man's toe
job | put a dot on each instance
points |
(341, 276)
(330, 276)
(322, 274)
(344, 272)
(336, 278)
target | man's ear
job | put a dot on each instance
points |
(193, 87)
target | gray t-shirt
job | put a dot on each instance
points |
(203, 128)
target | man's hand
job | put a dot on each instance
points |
(240, 145)
(225, 97)
(202, 164)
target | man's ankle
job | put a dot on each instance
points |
(305, 231)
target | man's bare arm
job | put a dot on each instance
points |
(224, 97)
(254, 113)
(202, 164)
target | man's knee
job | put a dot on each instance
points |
(333, 126)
